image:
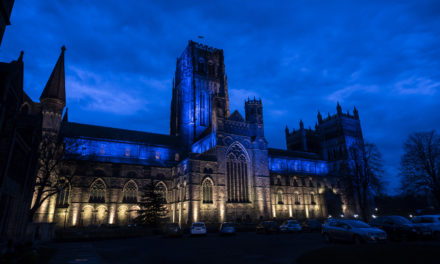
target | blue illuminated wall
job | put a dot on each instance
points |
(294, 165)
(119, 152)
(204, 144)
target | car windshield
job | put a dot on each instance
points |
(357, 224)
(228, 225)
(199, 225)
(400, 220)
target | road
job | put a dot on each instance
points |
(242, 248)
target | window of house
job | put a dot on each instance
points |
(312, 198)
(157, 155)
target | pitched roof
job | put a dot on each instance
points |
(71, 129)
(236, 116)
(293, 154)
(55, 86)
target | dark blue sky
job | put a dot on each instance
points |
(298, 56)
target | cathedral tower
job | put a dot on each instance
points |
(199, 78)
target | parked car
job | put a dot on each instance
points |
(172, 230)
(399, 228)
(429, 221)
(290, 226)
(311, 225)
(352, 230)
(268, 227)
(227, 228)
(198, 228)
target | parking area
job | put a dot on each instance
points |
(246, 247)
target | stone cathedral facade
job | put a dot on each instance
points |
(214, 166)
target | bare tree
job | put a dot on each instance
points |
(363, 175)
(53, 175)
(420, 164)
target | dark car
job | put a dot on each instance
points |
(397, 227)
(311, 225)
(268, 227)
(227, 228)
(172, 230)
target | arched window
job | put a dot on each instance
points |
(296, 197)
(97, 192)
(207, 191)
(312, 198)
(280, 197)
(63, 197)
(237, 180)
(311, 183)
(130, 193)
(303, 182)
(162, 190)
(295, 183)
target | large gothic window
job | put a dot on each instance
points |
(207, 191)
(237, 180)
(130, 193)
(97, 192)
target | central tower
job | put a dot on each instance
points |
(199, 78)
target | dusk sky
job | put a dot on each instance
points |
(299, 56)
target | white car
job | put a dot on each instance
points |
(198, 229)
(290, 226)
(429, 221)
(352, 230)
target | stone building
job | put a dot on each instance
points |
(214, 165)
(20, 133)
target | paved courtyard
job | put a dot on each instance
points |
(243, 248)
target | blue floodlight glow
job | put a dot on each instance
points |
(292, 165)
(119, 152)
(204, 144)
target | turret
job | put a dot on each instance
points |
(356, 113)
(53, 97)
(339, 109)
(319, 117)
(254, 111)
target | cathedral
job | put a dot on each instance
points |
(214, 166)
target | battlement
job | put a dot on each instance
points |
(204, 47)
(253, 101)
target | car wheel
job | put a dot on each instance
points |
(327, 238)
(357, 240)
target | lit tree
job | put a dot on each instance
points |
(420, 164)
(52, 176)
(363, 174)
(153, 211)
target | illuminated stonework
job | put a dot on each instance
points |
(213, 167)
